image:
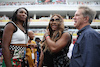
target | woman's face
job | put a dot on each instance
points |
(54, 21)
(22, 15)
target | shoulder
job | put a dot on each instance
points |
(90, 32)
(10, 23)
(66, 34)
(33, 42)
(10, 26)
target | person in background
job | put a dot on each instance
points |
(69, 54)
(1, 32)
(86, 51)
(31, 51)
(55, 44)
(37, 40)
(14, 38)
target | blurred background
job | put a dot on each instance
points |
(40, 12)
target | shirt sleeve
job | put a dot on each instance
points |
(33, 42)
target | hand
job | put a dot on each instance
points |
(35, 64)
(47, 32)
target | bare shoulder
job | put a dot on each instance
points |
(66, 34)
(9, 26)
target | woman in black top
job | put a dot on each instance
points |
(55, 43)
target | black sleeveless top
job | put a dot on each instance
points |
(59, 59)
(48, 59)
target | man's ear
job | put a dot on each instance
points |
(86, 19)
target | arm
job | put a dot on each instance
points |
(60, 44)
(41, 58)
(7, 35)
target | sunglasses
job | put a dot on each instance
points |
(55, 19)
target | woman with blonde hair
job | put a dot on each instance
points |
(55, 44)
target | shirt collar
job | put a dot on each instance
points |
(81, 30)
